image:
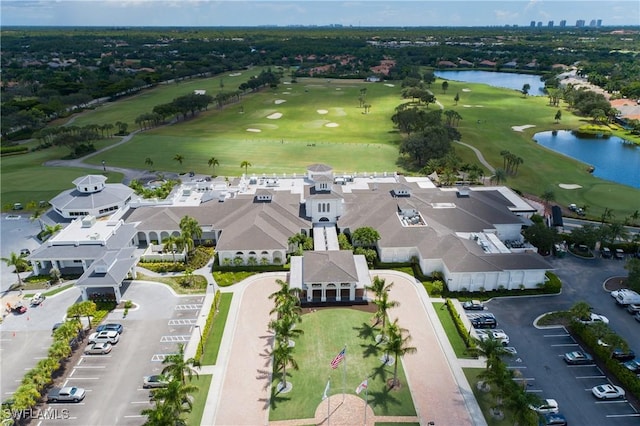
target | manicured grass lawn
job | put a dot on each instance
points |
(314, 351)
(199, 283)
(213, 339)
(486, 399)
(452, 332)
(500, 109)
(203, 381)
(24, 179)
(225, 279)
(360, 141)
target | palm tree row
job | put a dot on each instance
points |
(510, 162)
(395, 338)
(507, 391)
(175, 400)
(288, 315)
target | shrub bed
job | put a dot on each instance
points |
(462, 330)
(208, 324)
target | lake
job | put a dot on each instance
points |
(497, 79)
(613, 160)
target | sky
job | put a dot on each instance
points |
(210, 13)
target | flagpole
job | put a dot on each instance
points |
(344, 374)
(366, 402)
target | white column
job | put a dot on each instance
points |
(323, 297)
(116, 290)
(85, 297)
(352, 293)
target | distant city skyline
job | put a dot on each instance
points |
(208, 13)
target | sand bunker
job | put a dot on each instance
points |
(337, 88)
(254, 130)
(390, 85)
(287, 82)
(322, 111)
(339, 111)
(274, 116)
(466, 106)
(331, 125)
(466, 90)
(279, 101)
(522, 128)
(235, 74)
(569, 186)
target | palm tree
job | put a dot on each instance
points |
(492, 349)
(547, 196)
(525, 89)
(176, 396)
(179, 158)
(171, 244)
(558, 116)
(213, 162)
(445, 86)
(18, 262)
(190, 229)
(457, 98)
(178, 367)
(149, 162)
(499, 176)
(285, 328)
(59, 349)
(37, 214)
(398, 343)
(86, 308)
(379, 286)
(161, 415)
(384, 304)
(286, 299)
(282, 357)
(50, 230)
(245, 164)
(518, 401)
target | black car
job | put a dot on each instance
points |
(552, 419)
(622, 355)
(484, 322)
(473, 305)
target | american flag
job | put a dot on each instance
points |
(338, 359)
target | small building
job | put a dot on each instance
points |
(332, 276)
(91, 197)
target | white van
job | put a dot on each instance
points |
(627, 298)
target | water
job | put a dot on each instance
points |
(613, 160)
(497, 79)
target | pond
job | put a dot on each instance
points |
(497, 79)
(612, 159)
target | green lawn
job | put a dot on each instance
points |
(24, 179)
(452, 332)
(214, 337)
(485, 399)
(500, 109)
(203, 382)
(360, 142)
(314, 351)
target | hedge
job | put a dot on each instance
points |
(462, 330)
(208, 324)
(626, 378)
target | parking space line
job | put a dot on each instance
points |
(159, 357)
(90, 366)
(134, 417)
(183, 321)
(517, 367)
(189, 307)
(556, 335)
(623, 415)
(180, 338)
(612, 402)
(591, 377)
(578, 366)
(564, 344)
(83, 378)
(141, 402)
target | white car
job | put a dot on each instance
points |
(106, 336)
(546, 406)
(496, 333)
(615, 293)
(594, 318)
(37, 299)
(608, 391)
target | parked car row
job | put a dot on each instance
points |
(606, 253)
(101, 342)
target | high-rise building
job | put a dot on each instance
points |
(580, 23)
(599, 23)
(563, 23)
(550, 24)
(592, 23)
(539, 24)
(532, 24)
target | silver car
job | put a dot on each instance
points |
(98, 348)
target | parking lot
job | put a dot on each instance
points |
(113, 382)
(539, 366)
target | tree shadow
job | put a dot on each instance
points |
(380, 372)
(383, 398)
(366, 331)
(370, 349)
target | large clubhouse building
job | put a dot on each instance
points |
(469, 235)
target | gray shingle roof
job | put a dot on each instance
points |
(73, 199)
(329, 266)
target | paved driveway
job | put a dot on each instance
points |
(15, 234)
